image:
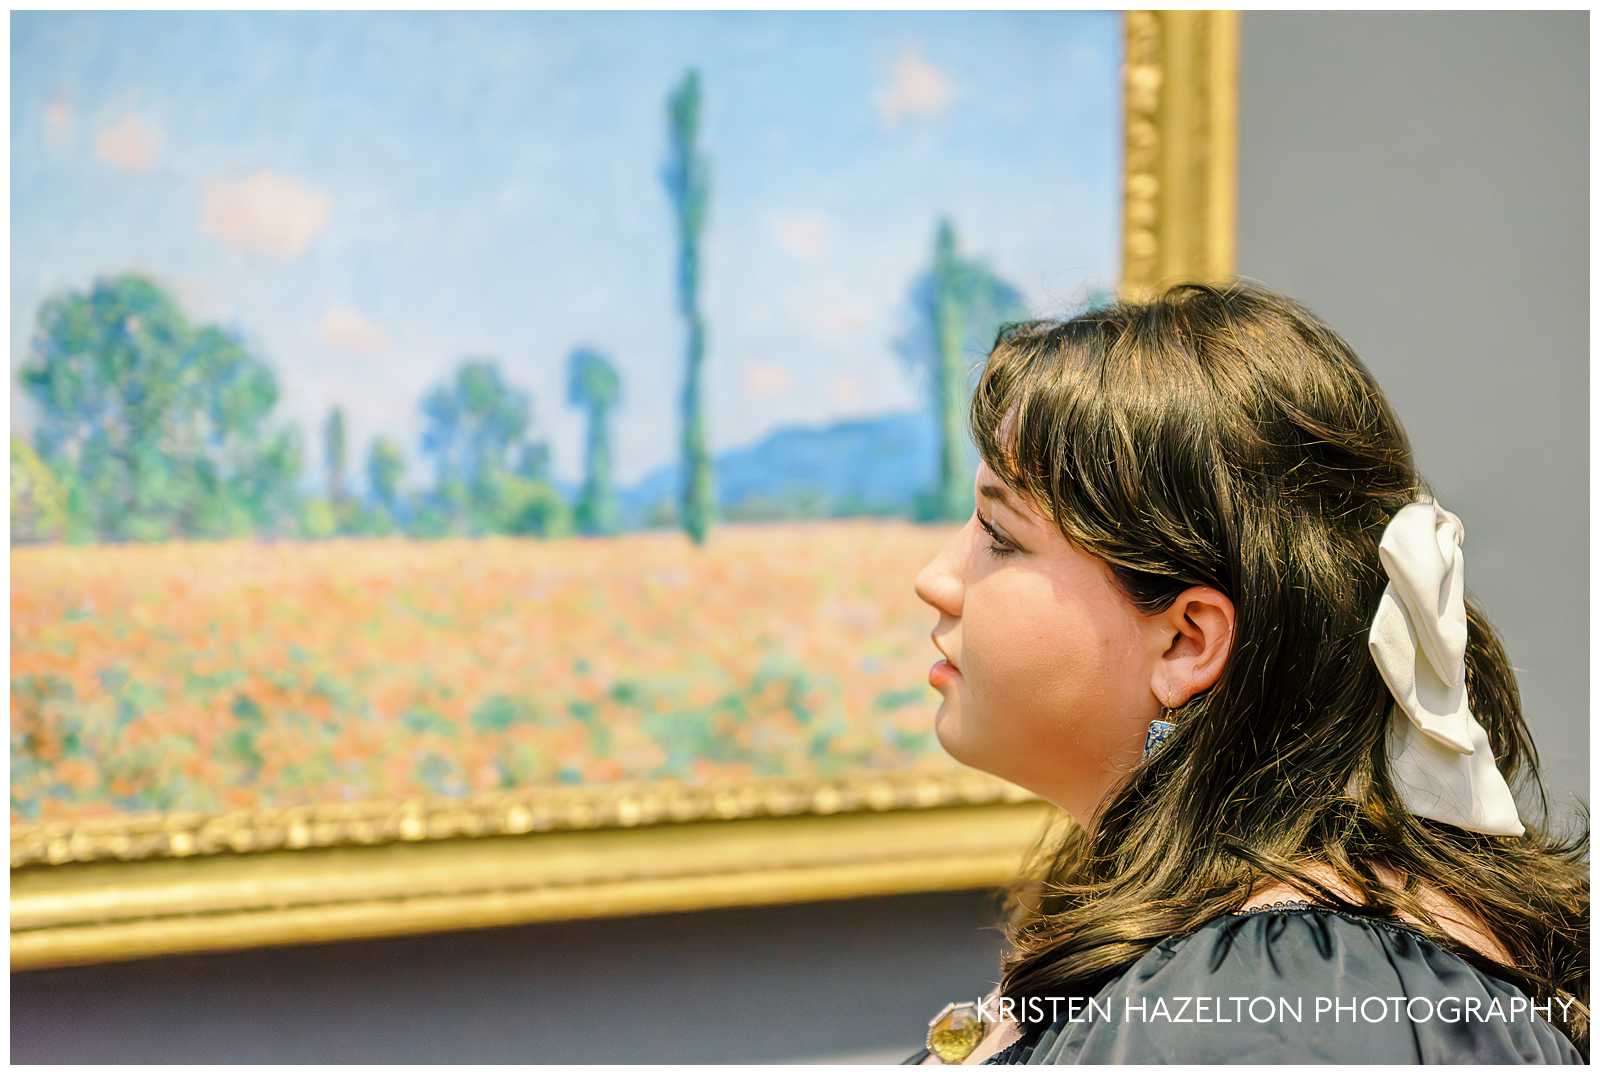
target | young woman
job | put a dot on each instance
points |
(1208, 608)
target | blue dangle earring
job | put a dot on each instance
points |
(1158, 733)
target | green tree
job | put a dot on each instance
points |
(347, 517)
(333, 454)
(267, 485)
(512, 504)
(105, 369)
(38, 501)
(386, 467)
(534, 461)
(247, 471)
(157, 428)
(488, 472)
(957, 307)
(474, 421)
(687, 175)
(316, 518)
(593, 384)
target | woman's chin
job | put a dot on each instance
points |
(953, 729)
(947, 729)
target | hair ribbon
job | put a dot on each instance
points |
(1439, 755)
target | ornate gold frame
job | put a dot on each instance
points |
(143, 886)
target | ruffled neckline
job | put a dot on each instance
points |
(1456, 949)
(1464, 952)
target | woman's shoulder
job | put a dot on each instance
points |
(1293, 982)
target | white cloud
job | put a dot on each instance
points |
(918, 89)
(131, 144)
(349, 330)
(847, 391)
(58, 119)
(804, 233)
(265, 212)
(763, 380)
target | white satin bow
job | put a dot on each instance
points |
(1439, 755)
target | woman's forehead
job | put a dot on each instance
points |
(995, 491)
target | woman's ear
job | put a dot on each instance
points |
(1198, 631)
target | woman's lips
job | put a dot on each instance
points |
(942, 672)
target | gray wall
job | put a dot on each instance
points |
(851, 980)
(1421, 181)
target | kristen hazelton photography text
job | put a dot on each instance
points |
(1178, 1008)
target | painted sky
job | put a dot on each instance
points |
(370, 197)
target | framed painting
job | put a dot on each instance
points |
(462, 475)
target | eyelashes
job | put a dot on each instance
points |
(998, 547)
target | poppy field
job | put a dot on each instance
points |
(216, 676)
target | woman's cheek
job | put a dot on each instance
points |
(1063, 695)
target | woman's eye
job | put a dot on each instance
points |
(997, 546)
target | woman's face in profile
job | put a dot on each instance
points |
(1051, 685)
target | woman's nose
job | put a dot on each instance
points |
(939, 582)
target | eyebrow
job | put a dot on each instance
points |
(999, 493)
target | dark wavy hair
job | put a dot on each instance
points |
(1224, 436)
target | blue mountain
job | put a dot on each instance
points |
(859, 466)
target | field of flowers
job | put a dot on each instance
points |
(213, 676)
